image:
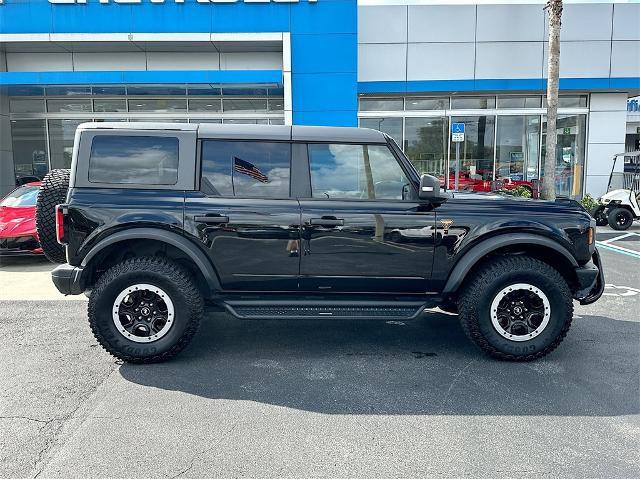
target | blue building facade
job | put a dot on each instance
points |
(408, 67)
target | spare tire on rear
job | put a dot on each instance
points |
(53, 192)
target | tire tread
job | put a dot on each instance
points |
(480, 283)
(182, 280)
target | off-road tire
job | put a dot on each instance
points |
(599, 215)
(623, 212)
(172, 278)
(479, 291)
(53, 192)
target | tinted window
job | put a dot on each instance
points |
(147, 160)
(246, 168)
(23, 196)
(355, 171)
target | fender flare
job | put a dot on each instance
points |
(479, 251)
(198, 257)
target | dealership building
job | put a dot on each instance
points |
(410, 68)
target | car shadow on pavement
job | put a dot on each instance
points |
(422, 367)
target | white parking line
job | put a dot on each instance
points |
(626, 235)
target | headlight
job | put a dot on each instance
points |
(606, 200)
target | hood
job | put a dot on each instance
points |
(17, 221)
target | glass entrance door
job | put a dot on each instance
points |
(476, 153)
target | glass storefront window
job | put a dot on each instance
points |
(566, 101)
(390, 126)
(571, 135)
(426, 144)
(473, 102)
(77, 106)
(110, 106)
(29, 143)
(26, 105)
(109, 90)
(476, 153)
(276, 104)
(517, 148)
(159, 105)
(381, 104)
(251, 105)
(519, 101)
(246, 121)
(61, 135)
(212, 104)
(427, 103)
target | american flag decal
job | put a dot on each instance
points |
(249, 169)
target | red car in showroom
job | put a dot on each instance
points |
(18, 234)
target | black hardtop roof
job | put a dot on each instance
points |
(253, 132)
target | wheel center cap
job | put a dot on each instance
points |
(517, 310)
(145, 311)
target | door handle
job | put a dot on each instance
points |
(324, 221)
(211, 219)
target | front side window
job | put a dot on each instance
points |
(356, 172)
(146, 160)
(246, 168)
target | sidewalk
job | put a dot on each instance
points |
(29, 278)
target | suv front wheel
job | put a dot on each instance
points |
(516, 308)
(145, 309)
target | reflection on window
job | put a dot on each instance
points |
(355, 172)
(56, 106)
(61, 136)
(110, 106)
(252, 105)
(519, 101)
(212, 104)
(29, 144)
(570, 134)
(26, 105)
(247, 169)
(390, 126)
(146, 160)
(426, 144)
(427, 103)
(381, 104)
(568, 101)
(160, 105)
(476, 153)
(473, 102)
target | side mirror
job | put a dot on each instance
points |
(430, 189)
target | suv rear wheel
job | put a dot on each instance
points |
(516, 308)
(145, 309)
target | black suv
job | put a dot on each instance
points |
(162, 220)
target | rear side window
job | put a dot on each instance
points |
(246, 168)
(145, 160)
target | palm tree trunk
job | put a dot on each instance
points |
(554, 9)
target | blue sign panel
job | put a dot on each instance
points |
(457, 128)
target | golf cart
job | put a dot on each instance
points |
(619, 205)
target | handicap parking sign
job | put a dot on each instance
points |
(457, 128)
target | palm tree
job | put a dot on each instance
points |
(554, 9)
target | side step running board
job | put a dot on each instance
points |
(323, 309)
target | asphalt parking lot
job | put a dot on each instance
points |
(319, 398)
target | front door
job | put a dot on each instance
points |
(363, 229)
(244, 215)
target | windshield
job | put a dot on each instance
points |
(23, 196)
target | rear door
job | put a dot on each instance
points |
(245, 216)
(363, 229)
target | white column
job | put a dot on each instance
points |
(607, 128)
(286, 78)
(7, 178)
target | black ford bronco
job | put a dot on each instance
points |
(156, 222)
